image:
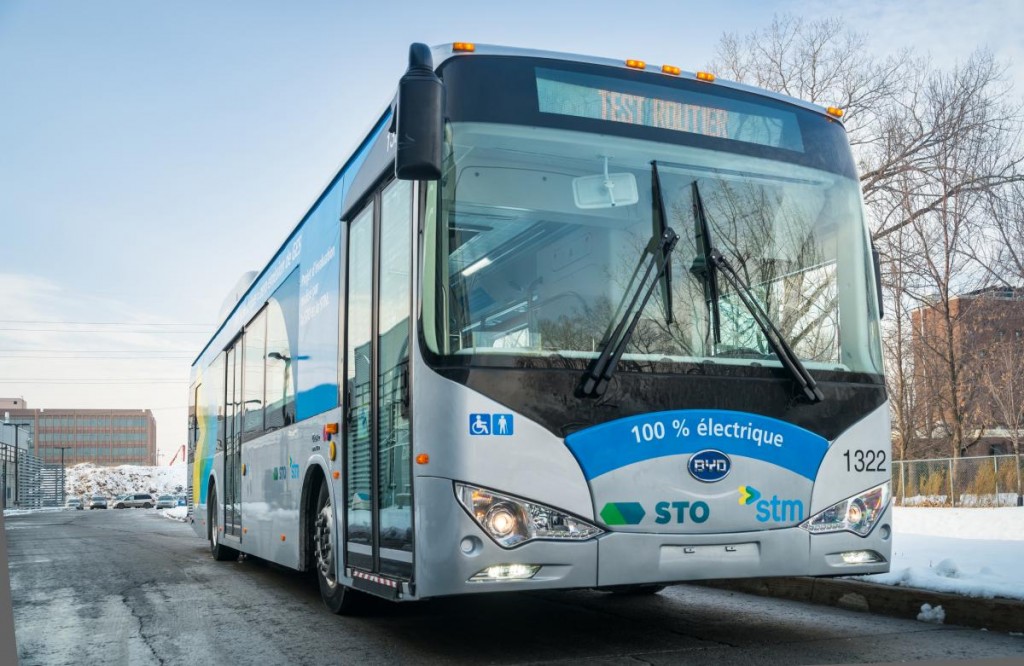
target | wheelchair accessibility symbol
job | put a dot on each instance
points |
(490, 424)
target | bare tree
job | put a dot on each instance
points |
(1003, 378)
(941, 167)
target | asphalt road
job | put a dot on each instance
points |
(132, 587)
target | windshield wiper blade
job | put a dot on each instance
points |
(595, 380)
(660, 223)
(778, 342)
(702, 268)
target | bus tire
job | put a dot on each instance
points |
(339, 599)
(220, 552)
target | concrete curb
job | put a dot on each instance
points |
(905, 602)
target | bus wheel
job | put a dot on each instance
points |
(339, 599)
(220, 552)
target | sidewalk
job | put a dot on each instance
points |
(992, 614)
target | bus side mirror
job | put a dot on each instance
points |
(419, 118)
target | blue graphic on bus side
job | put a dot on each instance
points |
(482, 424)
(610, 446)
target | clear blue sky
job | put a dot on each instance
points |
(151, 152)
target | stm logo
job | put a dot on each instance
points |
(773, 510)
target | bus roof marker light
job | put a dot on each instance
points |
(671, 69)
(636, 64)
(464, 47)
(705, 76)
(835, 111)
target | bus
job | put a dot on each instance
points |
(558, 322)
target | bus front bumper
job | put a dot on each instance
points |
(451, 550)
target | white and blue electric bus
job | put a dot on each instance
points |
(558, 322)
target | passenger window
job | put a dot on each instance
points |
(282, 315)
(254, 344)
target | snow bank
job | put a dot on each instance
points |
(20, 512)
(972, 552)
(87, 479)
(1002, 524)
(177, 513)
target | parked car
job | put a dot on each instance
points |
(182, 501)
(73, 503)
(166, 502)
(134, 501)
(97, 502)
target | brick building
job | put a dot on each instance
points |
(983, 332)
(101, 436)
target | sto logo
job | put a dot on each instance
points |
(748, 495)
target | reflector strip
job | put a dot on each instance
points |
(375, 579)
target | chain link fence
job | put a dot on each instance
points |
(968, 482)
(27, 482)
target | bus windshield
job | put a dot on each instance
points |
(540, 229)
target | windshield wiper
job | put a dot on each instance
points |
(659, 218)
(627, 315)
(782, 350)
(702, 268)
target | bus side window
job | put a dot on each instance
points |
(282, 344)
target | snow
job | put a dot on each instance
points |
(929, 614)
(87, 479)
(21, 512)
(972, 552)
(177, 513)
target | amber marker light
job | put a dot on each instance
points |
(636, 64)
(245, 530)
(422, 459)
(282, 537)
(331, 428)
(671, 69)
(835, 111)
(705, 76)
(336, 474)
(464, 47)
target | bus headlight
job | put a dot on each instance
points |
(511, 521)
(857, 514)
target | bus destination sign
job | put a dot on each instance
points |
(585, 96)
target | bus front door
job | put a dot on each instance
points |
(378, 465)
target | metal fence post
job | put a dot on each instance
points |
(952, 500)
(995, 466)
(903, 483)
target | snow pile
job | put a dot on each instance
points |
(973, 552)
(21, 512)
(929, 614)
(87, 479)
(177, 513)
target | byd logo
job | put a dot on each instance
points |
(709, 465)
(772, 510)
